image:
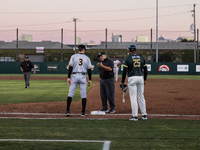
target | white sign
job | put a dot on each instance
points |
(37, 67)
(52, 67)
(197, 68)
(182, 68)
(39, 49)
(148, 67)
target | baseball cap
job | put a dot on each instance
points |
(26, 57)
(101, 53)
(81, 47)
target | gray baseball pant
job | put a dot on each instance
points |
(27, 78)
(107, 91)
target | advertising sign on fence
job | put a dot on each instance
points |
(197, 68)
(182, 68)
(52, 67)
(37, 67)
(148, 67)
(39, 49)
(163, 68)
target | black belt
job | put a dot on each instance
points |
(83, 73)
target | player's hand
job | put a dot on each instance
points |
(89, 82)
(34, 72)
(144, 82)
(100, 64)
(69, 81)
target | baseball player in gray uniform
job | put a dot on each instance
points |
(79, 65)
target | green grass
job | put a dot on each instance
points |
(124, 134)
(151, 134)
(13, 91)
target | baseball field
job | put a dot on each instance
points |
(34, 118)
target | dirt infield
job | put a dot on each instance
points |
(165, 98)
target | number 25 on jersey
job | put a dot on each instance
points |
(136, 62)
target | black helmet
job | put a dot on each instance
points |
(132, 47)
(81, 47)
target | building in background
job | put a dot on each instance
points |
(26, 37)
(78, 40)
(179, 39)
(117, 38)
(90, 43)
(142, 38)
(188, 38)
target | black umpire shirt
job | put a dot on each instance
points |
(106, 74)
(27, 66)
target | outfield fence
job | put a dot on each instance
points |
(160, 68)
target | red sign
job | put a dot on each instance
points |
(163, 68)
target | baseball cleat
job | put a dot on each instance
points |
(144, 117)
(112, 111)
(104, 110)
(134, 118)
(67, 113)
(83, 114)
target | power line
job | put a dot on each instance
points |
(97, 20)
(105, 11)
(135, 18)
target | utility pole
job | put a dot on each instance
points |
(106, 42)
(198, 45)
(194, 34)
(151, 46)
(17, 46)
(61, 45)
(75, 33)
(156, 30)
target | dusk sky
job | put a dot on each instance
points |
(43, 19)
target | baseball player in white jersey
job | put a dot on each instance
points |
(79, 65)
(117, 64)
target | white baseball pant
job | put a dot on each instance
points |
(81, 80)
(136, 91)
(116, 70)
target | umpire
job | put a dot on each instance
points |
(25, 67)
(107, 83)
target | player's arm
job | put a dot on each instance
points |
(69, 75)
(107, 68)
(89, 76)
(119, 64)
(33, 70)
(145, 72)
(125, 68)
(21, 69)
(32, 66)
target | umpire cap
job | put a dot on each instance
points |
(101, 53)
(132, 47)
(81, 47)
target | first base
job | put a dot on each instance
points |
(98, 113)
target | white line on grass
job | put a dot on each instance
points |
(106, 144)
(53, 114)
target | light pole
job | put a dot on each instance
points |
(195, 58)
(17, 46)
(156, 30)
(61, 45)
(74, 19)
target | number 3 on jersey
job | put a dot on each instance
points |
(136, 62)
(80, 61)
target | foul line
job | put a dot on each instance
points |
(106, 145)
(53, 114)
